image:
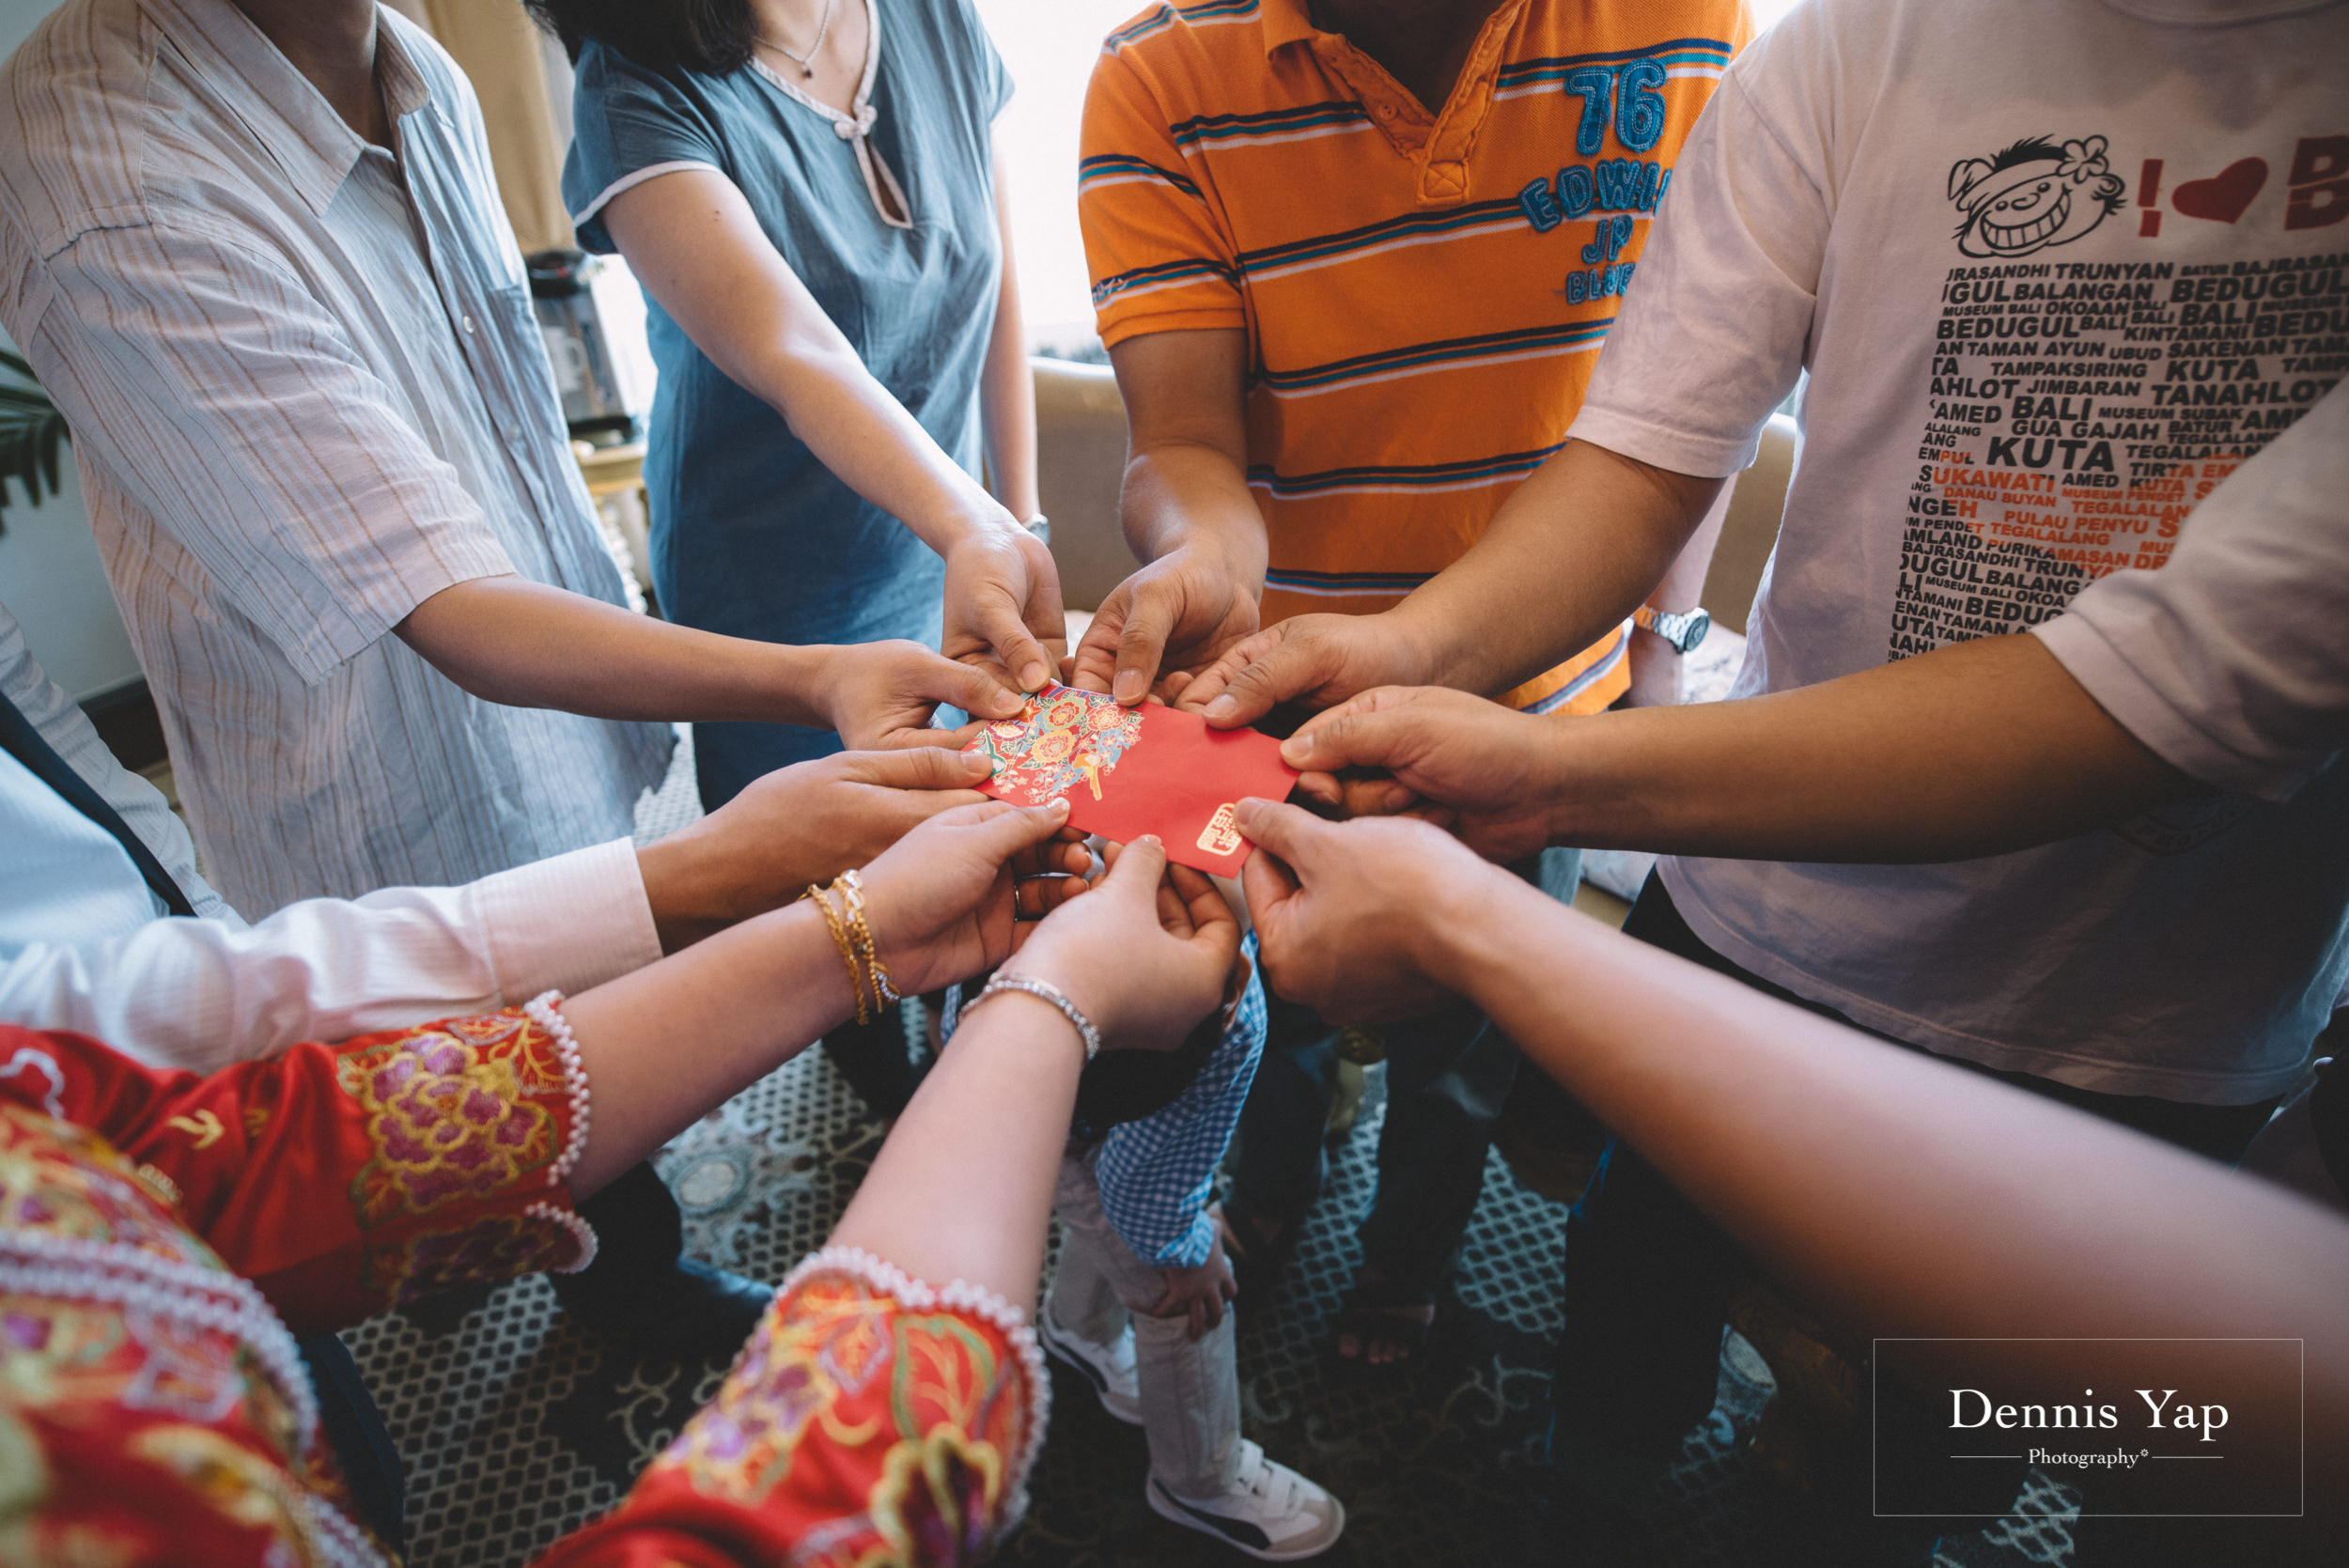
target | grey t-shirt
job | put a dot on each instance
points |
(2056, 268)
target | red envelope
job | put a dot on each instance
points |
(1127, 772)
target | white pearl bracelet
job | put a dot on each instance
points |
(1044, 990)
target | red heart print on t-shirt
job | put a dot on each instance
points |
(2222, 197)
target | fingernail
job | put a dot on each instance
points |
(1032, 677)
(1296, 751)
(1152, 840)
(1222, 708)
(1058, 808)
(1129, 686)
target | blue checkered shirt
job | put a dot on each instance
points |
(1156, 1174)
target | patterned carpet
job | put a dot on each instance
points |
(517, 1425)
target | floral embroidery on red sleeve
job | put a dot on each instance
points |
(343, 1179)
(870, 1421)
(457, 1110)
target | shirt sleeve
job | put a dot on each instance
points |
(199, 995)
(1160, 258)
(216, 390)
(343, 1179)
(880, 1419)
(1158, 1174)
(994, 77)
(1713, 333)
(629, 125)
(2232, 662)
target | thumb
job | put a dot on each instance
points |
(1000, 623)
(1291, 833)
(1094, 660)
(1137, 869)
(918, 767)
(971, 688)
(997, 838)
(1354, 735)
(1141, 645)
(1257, 688)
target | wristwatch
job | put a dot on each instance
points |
(1683, 631)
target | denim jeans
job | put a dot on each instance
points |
(1447, 1077)
(1648, 1277)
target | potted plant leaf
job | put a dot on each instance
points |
(31, 430)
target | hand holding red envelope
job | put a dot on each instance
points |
(1127, 772)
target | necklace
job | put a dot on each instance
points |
(807, 62)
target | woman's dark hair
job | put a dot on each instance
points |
(712, 35)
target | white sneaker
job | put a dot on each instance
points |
(1271, 1513)
(1110, 1368)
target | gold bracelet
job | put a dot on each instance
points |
(821, 898)
(885, 992)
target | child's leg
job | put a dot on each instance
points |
(1189, 1403)
(1083, 1297)
(1190, 1392)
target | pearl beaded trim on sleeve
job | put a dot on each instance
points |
(580, 1231)
(33, 1263)
(961, 1297)
(541, 1010)
(189, 1295)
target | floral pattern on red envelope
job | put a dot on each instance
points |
(1129, 771)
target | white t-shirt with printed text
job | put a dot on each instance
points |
(2056, 267)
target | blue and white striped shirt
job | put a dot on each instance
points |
(307, 394)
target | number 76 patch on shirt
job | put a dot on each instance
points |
(1127, 772)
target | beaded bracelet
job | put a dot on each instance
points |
(1043, 990)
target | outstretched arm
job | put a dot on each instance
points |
(204, 994)
(1973, 750)
(891, 1400)
(1572, 553)
(2221, 670)
(691, 236)
(1007, 384)
(1188, 512)
(506, 638)
(1902, 1195)
(964, 1185)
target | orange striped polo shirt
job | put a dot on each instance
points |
(1423, 295)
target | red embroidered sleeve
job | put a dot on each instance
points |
(345, 1179)
(870, 1420)
(154, 1412)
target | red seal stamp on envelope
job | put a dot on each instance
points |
(1222, 836)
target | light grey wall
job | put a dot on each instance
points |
(50, 576)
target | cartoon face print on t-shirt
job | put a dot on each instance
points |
(2032, 195)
